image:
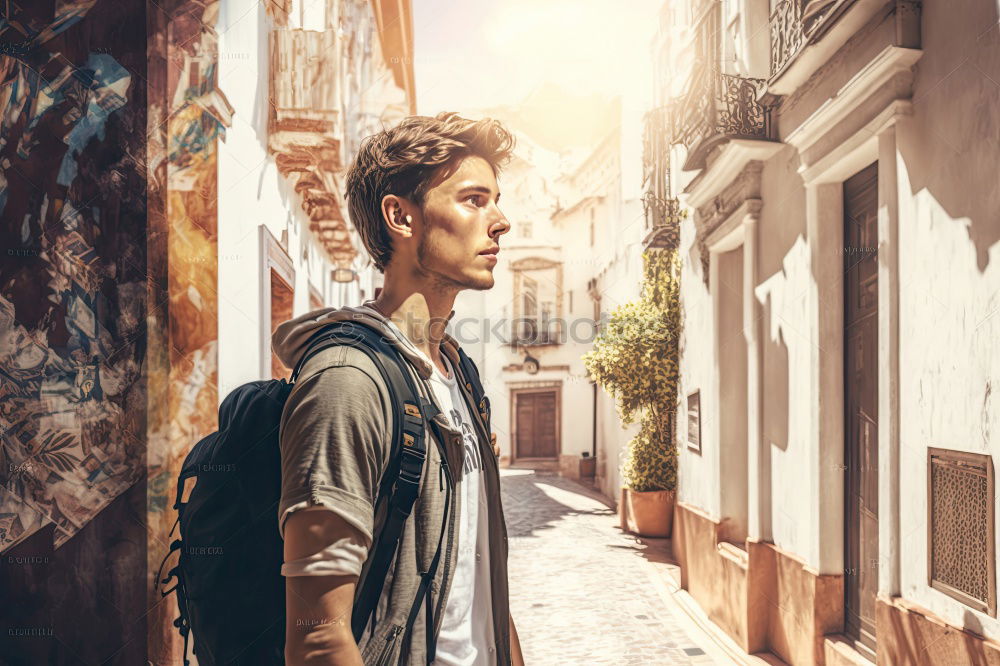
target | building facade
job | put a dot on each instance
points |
(523, 313)
(572, 255)
(600, 220)
(841, 282)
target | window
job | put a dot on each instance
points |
(591, 227)
(537, 302)
(530, 295)
(526, 229)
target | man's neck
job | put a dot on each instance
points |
(422, 317)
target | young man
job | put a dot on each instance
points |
(423, 197)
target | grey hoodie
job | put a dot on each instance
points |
(334, 447)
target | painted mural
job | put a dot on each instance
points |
(108, 306)
(72, 276)
(187, 119)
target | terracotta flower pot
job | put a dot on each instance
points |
(648, 513)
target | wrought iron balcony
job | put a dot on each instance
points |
(657, 138)
(529, 332)
(797, 23)
(663, 222)
(662, 211)
(786, 33)
(718, 108)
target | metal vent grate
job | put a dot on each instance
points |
(961, 534)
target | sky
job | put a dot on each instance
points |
(476, 54)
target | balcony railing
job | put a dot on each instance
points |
(663, 222)
(536, 332)
(657, 137)
(662, 210)
(718, 108)
(786, 33)
(797, 23)
(305, 91)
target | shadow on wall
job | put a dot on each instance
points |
(912, 638)
(958, 80)
(776, 406)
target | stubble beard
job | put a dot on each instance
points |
(439, 281)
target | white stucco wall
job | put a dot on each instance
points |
(697, 472)
(787, 349)
(613, 172)
(949, 265)
(949, 374)
(253, 193)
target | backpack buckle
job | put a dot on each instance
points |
(411, 464)
(430, 410)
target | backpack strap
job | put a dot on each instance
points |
(317, 343)
(472, 382)
(427, 577)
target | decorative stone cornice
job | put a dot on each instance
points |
(890, 71)
(742, 194)
(732, 159)
(746, 185)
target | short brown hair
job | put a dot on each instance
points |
(403, 159)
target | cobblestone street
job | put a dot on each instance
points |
(581, 591)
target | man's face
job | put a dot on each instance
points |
(460, 224)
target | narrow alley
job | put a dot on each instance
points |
(584, 592)
(743, 281)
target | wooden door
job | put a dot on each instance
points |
(861, 404)
(536, 427)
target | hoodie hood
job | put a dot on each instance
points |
(290, 338)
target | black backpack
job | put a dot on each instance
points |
(230, 591)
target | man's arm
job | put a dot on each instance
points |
(516, 657)
(318, 608)
(334, 436)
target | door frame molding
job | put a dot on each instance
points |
(535, 387)
(869, 138)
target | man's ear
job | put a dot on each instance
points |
(396, 215)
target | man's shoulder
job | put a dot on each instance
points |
(340, 356)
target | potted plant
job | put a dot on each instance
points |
(635, 359)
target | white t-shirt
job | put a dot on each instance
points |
(466, 637)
